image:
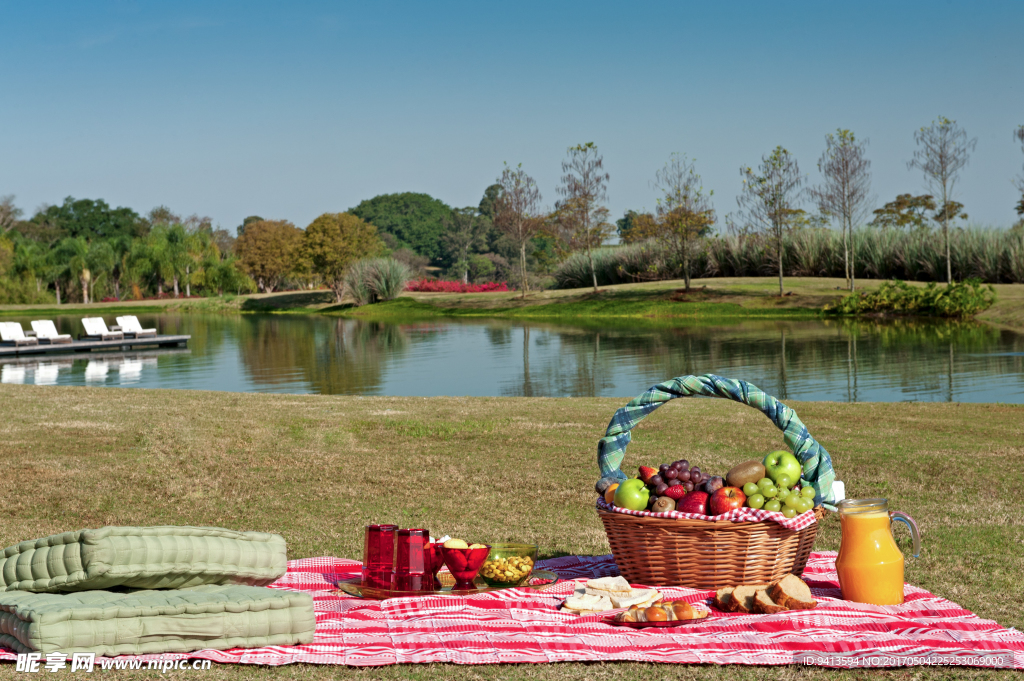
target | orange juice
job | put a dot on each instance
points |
(870, 565)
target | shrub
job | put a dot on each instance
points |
(440, 286)
(375, 280)
(958, 300)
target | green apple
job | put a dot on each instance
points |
(632, 494)
(780, 463)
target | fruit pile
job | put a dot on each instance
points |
(772, 484)
(511, 570)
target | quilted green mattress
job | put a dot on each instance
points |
(148, 622)
(143, 558)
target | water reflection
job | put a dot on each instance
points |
(840, 360)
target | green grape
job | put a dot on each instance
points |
(807, 492)
(789, 512)
(770, 492)
(765, 483)
(784, 481)
(804, 505)
(751, 489)
(783, 492)
(772, 505)
(755, 500)
(792, 500)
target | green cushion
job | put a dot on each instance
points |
(143, 558)
(146, 622)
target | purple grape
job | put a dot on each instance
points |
(656, 480)
(663, 467)
(683, 463)
(673, 482)
(660, 489)
(670, 474)
(688, 486)
(685, 476)
(694, 471)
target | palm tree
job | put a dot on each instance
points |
(102, 261)
(74, 251)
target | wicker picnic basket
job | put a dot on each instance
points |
(710, 554)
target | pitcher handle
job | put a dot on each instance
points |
(912, 526)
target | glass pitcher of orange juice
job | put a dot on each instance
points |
(870, 565)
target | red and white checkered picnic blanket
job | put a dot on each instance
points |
(520, 625)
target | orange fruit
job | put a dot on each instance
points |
(609, 494)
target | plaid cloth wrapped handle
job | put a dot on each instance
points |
(816, 462)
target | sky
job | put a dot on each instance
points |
(288, 110)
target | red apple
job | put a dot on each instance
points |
(726, 499)
(694, 502)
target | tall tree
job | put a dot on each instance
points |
(74, 252)
(1018, 135)
(93, 219)
(624, 226)
(845, 193)
(943, 152)
(584, 187)
(906, 211)
(415, 220)
(268, 251)
(684, 215)
(334, 241)
(770, 199)
(9, 213)
(465, 232)
(516, 213)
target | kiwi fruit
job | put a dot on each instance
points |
(664, 505)
(748, 471)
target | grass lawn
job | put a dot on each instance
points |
(318, 468)
(718, 298)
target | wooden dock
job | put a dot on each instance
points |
(90, 345)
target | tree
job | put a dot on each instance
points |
(684, 215)
(769, 199)
(844, 195)
(74, 253)
(624, 226)
(943, 152)
(415, 220)
(334, 241)
(582, 217)
(10, 214)
(906, 211)
(268, 251)
(93, 219)
(465, 231)
(240, 230)
(1018, 134)
(516, 213)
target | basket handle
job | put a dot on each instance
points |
(816, 462)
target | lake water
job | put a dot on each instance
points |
(812, 360)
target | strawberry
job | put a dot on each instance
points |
(646, 472)
(676, 492)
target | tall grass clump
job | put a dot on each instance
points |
(374, 280)
(991, 255)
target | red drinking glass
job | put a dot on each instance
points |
(437, 562)
(413, 561)
(379, 556)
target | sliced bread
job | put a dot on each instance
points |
(638, 597)
(763, 603)
(586, 604)
(792, 593)
(723, 598)
(609, 586)
(743, 597)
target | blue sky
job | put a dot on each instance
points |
(289, 110)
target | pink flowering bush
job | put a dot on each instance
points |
(439, 286)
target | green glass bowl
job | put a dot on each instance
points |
(500, 555)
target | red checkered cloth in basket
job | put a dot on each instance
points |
(520, 625)
(739, 515)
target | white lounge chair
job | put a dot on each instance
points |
(131, 327)
(96, 329)
(11, 332)
(46, 332)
